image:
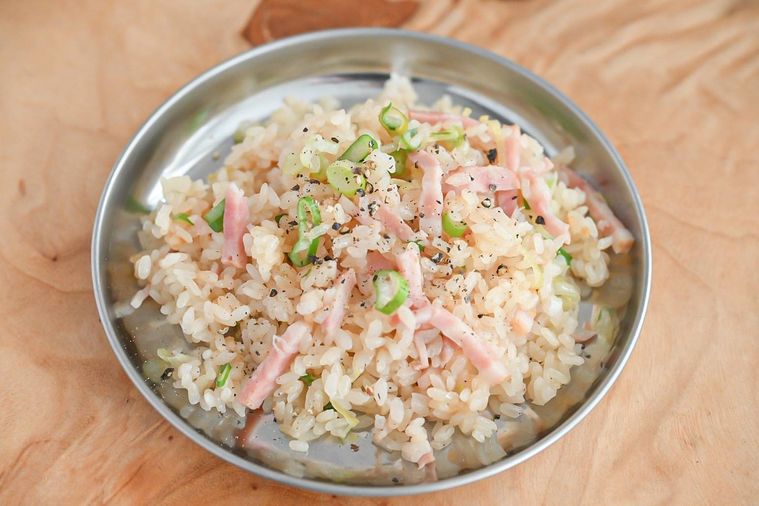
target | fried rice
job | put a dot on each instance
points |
(435, 289)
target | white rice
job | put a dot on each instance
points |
(504, 271)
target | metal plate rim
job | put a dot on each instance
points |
(99, 281)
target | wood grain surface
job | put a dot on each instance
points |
(674, 84)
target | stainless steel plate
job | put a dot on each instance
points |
(191, 134)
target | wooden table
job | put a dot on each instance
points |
(675, 85)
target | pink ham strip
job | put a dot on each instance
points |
(480, 353)
(431, 198)
(509, 157)
(511, 149)
(411, 269)
(507, 200)
(376, 262)
(435, 118)
(343, 287)
(394, 224)
(263, 381)
(539, 198)
(483, 179)
(235, 221)
(608, 223)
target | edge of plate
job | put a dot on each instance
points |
(98, 280)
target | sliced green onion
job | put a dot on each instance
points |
(566, 255)
(452, 137)
(223, 376)
(390, 290)
(303, 252)
(401, 169)
(341, 177)
(360, 148)
(393, 120)
(306, 206)
(419, 245)
(411, 140)
(215, 217)
(453, 228)
(278, 218)
(328, 406)
(307, 379)
(184, 217)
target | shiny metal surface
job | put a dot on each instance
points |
(190, 134)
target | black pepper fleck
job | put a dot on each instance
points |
(492, 154)
(273, 292)
(487, 203)
(335, 140)
(492, 187)
(295, 188)
(437, 257)
(305, 129)
(540, 220)
(167, 373)
(336, 226)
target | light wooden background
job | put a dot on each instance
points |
(675, 85)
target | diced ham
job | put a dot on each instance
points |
(507, 149)
(507, 200)
(608, 223)
(373, 210)
(410, 268)
(480, 353)
(538, 195)
(343, 287)
(376, 261)
(263, 381)
(235, 222)
(431, 198)
(490, 178)
(434, 118)
(394, 224)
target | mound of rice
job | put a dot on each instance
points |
(503, 278)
